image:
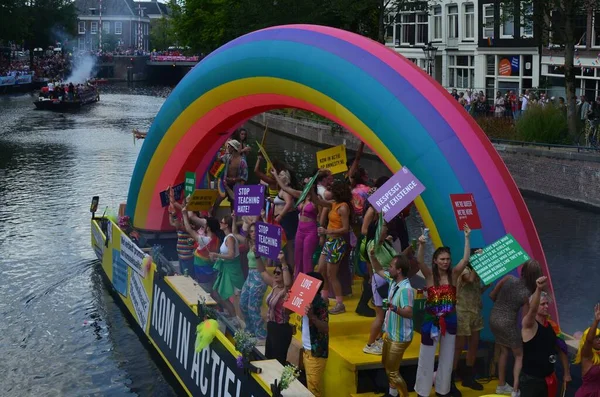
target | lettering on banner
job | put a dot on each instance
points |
(98, 242)
(302, 293)
(334, 159)
(139, 299)
(498, 259)
(132, 255)
(396, 194)
(210, 372)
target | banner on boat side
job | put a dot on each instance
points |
(465, 211)
(140, 300)
(210, 372)
(132, 255)
(98, 241)
(268, 240)
(302, 293)
(396, 194)
(334, 159)
(119, 273)
(498, 259)
(249, 200)
(190, 183)
(202, 200)
(164, 195)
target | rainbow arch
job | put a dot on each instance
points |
(402, 114)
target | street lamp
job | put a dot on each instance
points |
(430, 52)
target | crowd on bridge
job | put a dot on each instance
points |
(54, 66)
(333, 228)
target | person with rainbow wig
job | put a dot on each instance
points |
(588, 356)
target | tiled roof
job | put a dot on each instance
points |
(109, 7)
(152, 7)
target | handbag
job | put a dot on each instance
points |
(384, 289)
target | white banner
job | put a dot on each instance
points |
(15, 80)
(132, 255)
(171, 58)
(98, 241)
(139, 298)
(7, 80)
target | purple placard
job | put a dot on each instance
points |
(268, 240)
(396, 194)
(249, 200)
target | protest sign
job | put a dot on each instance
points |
(263, 152)
(190, 183)
(268, 240)
(465, 211)
(334, 159)
(302, 293)
(306, 189)
(202, 200)
(164, 195)
(396, 194)
(249, 200)
(498, 259)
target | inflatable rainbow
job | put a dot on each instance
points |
(400, 112)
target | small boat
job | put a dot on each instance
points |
(99, 81)
(137, 134)
(83, 97)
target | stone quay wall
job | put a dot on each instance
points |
(559, 173)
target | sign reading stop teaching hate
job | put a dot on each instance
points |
(249, 200)
(268, 240)
(396, 194)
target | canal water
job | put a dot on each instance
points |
(60, 331)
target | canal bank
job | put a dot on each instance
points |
(560, 174)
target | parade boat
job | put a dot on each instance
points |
(84, 96)
(316, 69)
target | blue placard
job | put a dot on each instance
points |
(177, 190)
(514, 64)
(119, 273)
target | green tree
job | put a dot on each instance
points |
(553, 23)
(162, 34)
(110, 41)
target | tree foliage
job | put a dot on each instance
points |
(162, 34)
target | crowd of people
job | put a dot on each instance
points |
(335, 221)
(55, 66)
(508, 104)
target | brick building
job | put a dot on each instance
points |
(126, 20)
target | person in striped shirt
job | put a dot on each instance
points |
(398, 323)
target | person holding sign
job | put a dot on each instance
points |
(588, 356)
(279, 330)
(339, 213)
(230, 278)
(285, 212)
(307, 239)
(185, 242)
(399, 325)
(439, 324)
(509, 296)
(254, 288)
(537, 378)
(236, 169)
(272, 187)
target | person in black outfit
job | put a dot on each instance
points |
(540, 350)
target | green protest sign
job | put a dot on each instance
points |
(307, 188)
(190, 183)
(498, 259)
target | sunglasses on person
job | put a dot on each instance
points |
(277, 273)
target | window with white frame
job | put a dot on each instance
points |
(106, 27)
(469, 25)
(118, 27)
(527, 20)
(94, 28)
(596, 30)
(407, 33)
(422, 29)
(81, 44)
(81, 27)
(452, 21)
(507, 27)
(461, 71)
(388, 21)
(488, 21)
(437, 23)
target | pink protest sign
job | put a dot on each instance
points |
(302, 293)
(396, 194)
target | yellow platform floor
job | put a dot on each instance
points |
(488, 390)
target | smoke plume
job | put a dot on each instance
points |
(83, 66)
